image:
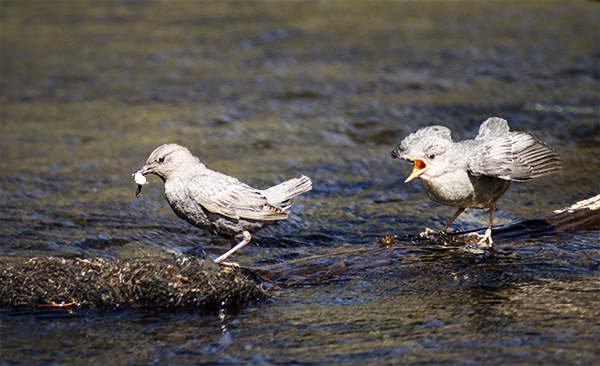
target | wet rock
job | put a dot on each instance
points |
(180, 283)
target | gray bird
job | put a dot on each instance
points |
(217, 202)
(475, 173)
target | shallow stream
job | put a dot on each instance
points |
(265, 91)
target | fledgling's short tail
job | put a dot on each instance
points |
(281, 194)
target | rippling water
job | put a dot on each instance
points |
(267, 91)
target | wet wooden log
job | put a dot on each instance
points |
(376, 257)
(582, 215)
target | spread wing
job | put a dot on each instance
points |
(492, 128)
(229, 197)
(515, 156)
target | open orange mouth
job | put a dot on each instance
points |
(420, 168)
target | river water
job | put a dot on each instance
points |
(265, 91)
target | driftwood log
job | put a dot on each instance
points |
(189, 282)
(584, 215)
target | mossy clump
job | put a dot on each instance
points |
(183, 282)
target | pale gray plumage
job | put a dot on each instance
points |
(515, 156)
(217, 202)
(475, 173)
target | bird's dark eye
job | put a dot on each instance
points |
(161, 159)
(431, 156)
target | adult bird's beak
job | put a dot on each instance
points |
(420, 167)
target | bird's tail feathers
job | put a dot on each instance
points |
(281, 194)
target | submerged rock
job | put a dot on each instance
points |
(180, 283)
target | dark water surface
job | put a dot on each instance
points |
(265, 91)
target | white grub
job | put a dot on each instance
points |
(139, 178)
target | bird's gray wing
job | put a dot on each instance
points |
(515, 156)
(227, 196)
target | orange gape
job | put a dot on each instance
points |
(420, 167)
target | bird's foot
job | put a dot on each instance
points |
(229, 264)
(483, 241)
(426, 233)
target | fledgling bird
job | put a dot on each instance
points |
(475, 173)
(214, 201)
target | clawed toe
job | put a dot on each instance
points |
(426, 233)
(483, 241)
(229, 264)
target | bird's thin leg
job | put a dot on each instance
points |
(486, 240)
(428, 231)
(458, 212)
(244, 241)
